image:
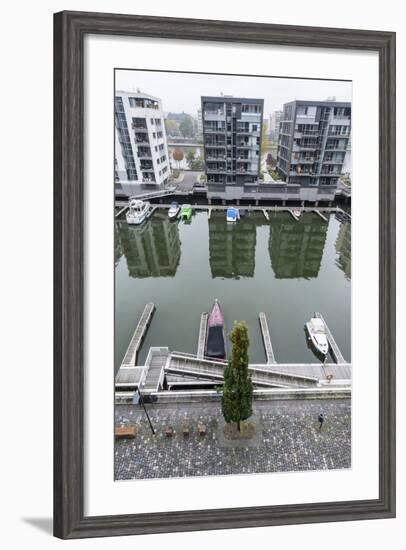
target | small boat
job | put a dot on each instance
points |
(173, 210)
(138, 211)
(317, 334)
(232, 214)
(215, 341)
(297, 212)
(186, 212)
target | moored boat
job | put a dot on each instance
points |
(138, 211)
(186, 212)
(215, 341)
(317, 335)
(297, 212)
(174, 210)
(232, 214)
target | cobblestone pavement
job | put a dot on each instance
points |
(289, 440)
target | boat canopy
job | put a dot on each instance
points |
(232, 213)
(317, 324)
(215, 346)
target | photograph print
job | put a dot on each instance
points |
(232, 227)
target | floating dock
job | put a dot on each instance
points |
(154, 373)
(121, 211)
(322, 216)
(338, 356)
(293, 215)
(164, 368)
(135, 342)
(266, 337)
(202, 335)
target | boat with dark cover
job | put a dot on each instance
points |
(215, 341)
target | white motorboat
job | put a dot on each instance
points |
(232, 214)
(138, 211)
(317, 334)
(174, 210)
(297, 212)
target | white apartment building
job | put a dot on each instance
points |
(141, 150)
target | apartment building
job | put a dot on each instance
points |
(274, 123)
(232, 131)
(313, 142)
(141, 150)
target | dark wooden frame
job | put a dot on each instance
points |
(69, 31)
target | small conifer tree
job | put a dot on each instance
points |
(236, 402)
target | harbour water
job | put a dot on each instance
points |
(286, 268)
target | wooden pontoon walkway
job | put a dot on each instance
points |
(293, 215)
(135, 342)
(202, 335)
(261, 375)
(154, 369)
(266, 337)
(188, 370)
(322, 216)
(338, 356)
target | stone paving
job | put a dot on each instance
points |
(289, 440)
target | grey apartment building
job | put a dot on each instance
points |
(232, 131)
(313, 141)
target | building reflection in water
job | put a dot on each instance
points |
(231, 247)
(151, 249)
(296, 247)
(343, 249)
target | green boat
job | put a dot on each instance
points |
(186, 212)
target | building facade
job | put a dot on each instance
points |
(274, 122)
(199, 125)
(141, 150)
(232, 132)
(313, 142)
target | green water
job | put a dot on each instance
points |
(287, 269)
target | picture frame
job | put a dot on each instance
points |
(70, 29)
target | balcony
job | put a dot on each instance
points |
(144, 154)
(309, 160)
(214, 115)
(246, 145)
(341, 120)
(301, 173)
(215, 157)
(214, 130)
(217, 171)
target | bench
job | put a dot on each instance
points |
(169, 432)
(125, 432)
(201, 428)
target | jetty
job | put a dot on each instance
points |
(335, 350)
(130, 356)
(322, 216)
(202, 335)
(266, 337)
(169, 375)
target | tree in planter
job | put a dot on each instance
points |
(236, 402)
(177, 155)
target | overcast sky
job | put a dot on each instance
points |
(181, 92)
